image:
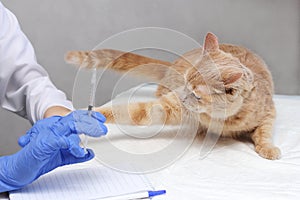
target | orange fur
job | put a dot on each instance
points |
(225, 83)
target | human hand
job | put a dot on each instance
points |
(50, 143)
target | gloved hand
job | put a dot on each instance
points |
(50, 143)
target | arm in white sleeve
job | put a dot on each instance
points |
(25, 87)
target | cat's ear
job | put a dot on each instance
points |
(231, 75)
(229, 78)
(232, 78)
(211, 42)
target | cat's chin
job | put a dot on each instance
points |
(219, 114)
(192, 109)
(216, 115)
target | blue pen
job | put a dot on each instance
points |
(137, 195)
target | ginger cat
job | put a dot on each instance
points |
(221, 82)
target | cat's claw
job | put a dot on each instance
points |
(268, 151)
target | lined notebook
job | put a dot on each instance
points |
(85, 183)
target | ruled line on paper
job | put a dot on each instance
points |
(85, 183)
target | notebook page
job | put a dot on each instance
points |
(85, 183)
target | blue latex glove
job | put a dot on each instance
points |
(50, 143)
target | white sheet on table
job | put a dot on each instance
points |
(233, 170)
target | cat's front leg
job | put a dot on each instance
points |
(262, 138)
(166, 110)
(145, 113)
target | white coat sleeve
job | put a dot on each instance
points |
(25, 87)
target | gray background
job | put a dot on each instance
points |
(269, 27)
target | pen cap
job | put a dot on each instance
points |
(155, 193)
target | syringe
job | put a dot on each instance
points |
(91, 103)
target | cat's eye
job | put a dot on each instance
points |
(196, 96)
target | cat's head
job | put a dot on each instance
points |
(217, 84)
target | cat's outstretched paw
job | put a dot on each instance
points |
(268, 151)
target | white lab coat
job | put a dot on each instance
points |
(25, 87)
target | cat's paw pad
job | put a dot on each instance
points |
(268, 151)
